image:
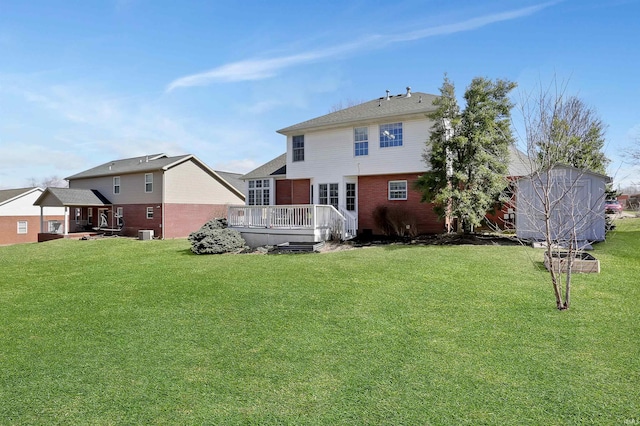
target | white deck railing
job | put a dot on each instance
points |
(303, 216)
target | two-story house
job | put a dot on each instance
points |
(359, 160)
(171, 196)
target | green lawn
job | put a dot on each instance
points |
(120, 331)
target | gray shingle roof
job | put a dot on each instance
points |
(234, 179)
(55, 197)
(146, 163)
(275, 167)
(396, 106)
(8, 194)
(519, 163)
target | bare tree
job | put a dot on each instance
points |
(347, 104)
(49, 182)
(561, 202)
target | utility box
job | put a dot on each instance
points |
(145, 234)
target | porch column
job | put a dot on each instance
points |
(66, 220)
(41, 219)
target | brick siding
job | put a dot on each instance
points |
(373, 191)
(9, 228)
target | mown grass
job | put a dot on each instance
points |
(121, 331)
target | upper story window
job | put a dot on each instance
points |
(259, 192)
(298, 148)
(361, 141)
(148, 182)
(116, 184)
(390, 135)
(397, 189)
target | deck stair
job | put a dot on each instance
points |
(300, 247)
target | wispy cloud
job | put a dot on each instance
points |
(263, 68)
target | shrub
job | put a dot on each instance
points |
(215, 238)
(395, 220)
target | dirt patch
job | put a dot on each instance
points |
(439, 240)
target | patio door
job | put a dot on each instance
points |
(328, 194)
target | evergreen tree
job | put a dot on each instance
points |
(575, 136)
(469, 151)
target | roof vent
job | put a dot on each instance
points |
(146, 159)
(408, 92)
(420, 99)
(388, 97)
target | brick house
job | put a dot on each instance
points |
(172, 196)
(20, 220)
(356, 160)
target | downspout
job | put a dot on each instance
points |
(162, 202)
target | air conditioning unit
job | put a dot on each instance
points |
(145, 234)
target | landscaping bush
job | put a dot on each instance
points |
(215, 238)
(395, 221)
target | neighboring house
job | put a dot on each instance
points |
(20, 219)
(172, 196)
(358, 160)
(576, 200)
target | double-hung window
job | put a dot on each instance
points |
(390, 135)
(298, 148)
(149, 212)
(148, 182)
(22, 227)
(361, 141)
(397, 189)
(259, 192)
(116, 184)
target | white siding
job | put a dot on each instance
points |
(23, 206)
(187, 183)
(329, 155)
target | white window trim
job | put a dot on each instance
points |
(149, 210)
(25, 229)
(150, 182)
(118, 185)
(356, 141)
(406, 190)
(299, 149)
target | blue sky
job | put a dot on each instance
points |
(83, 83)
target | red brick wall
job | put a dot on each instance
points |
(373, 191)
(9, 228)
(292, 191)
(183, 219)
(135, 219)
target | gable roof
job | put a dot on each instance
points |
(275, 167)
(143, 164)
(59, 197)
(8, 195)
(417, 104)
(233, 179)
(519, 163)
